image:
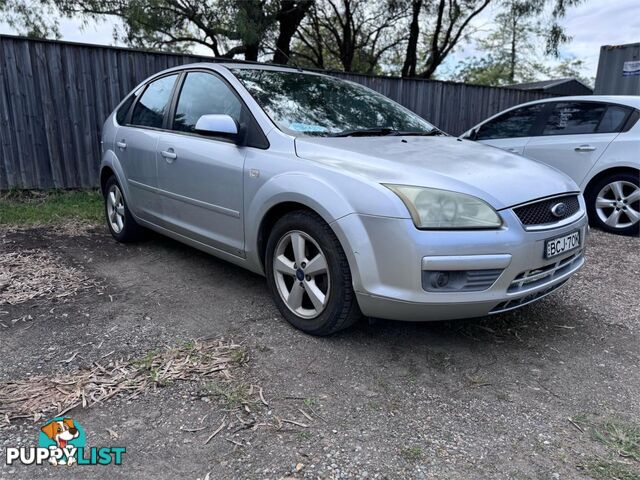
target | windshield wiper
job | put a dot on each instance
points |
(365, 132)
(370, 132)
(430, 133)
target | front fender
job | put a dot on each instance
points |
(310, 191)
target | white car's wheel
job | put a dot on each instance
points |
(613, 204)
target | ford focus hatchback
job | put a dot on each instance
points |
(347, 202)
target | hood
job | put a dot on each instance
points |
(500, 178)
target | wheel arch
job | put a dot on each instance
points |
(606, 173)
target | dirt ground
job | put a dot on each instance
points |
(518, 395)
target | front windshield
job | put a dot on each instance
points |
(319, 105)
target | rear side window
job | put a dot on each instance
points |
(204, 94)
(121, 114)
(613, 119)
(516, 123)
(154, 103)
(571, 118)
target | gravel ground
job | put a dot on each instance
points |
(516, 395)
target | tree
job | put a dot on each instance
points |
(289, 17)
(351, 34)
(227, 27)
(34, 20)
(443, 23)
(520, 42)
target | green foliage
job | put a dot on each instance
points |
(29, 207)
(519, 46)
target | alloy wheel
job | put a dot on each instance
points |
(618, 204)
(301, 274)
(115, 208)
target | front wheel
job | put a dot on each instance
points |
(613, 204)
(308, 275)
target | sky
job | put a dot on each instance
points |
(592, 24)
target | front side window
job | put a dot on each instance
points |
(204, 94)
(571, 118)
(306, 104)
(516, 123)
(154, 103)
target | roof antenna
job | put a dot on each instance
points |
(290, 60)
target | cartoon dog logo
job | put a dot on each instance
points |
(61, 432)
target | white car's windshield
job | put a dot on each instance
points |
(309, 104)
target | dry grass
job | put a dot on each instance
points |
(36, 397)
(29, 274)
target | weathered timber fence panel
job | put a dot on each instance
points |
(55, 96)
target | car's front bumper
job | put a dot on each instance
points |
(389, 255)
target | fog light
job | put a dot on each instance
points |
(459, 280)
(439, 279)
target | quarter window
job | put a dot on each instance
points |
(152, 106)
(516, 123)
(613, 119)
(204, 94)
(571, 118)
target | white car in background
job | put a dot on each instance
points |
(593, 139)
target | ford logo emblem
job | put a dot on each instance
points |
(559, 210)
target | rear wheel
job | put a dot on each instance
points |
(308, 275)
(121, 223)
(613, 204)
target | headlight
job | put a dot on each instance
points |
(431, 208)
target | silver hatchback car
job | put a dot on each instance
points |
(347, 202)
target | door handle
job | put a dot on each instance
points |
(121, 144)
(585, 148)
(169, 155)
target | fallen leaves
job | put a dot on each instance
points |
(37, 396)
(31, 274)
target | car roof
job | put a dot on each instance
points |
(242, 65)
(630, 100)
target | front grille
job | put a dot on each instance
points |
(519, 302)
(539, 213)
(540, 276)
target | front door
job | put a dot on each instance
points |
(512, 130)
(200, 178)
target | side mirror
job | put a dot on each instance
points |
(219, 126)
(471, 134)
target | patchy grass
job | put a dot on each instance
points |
(622, 441)
(602, 469)
(411, 454)
(29, 207)
(622, 438)
(232, 396)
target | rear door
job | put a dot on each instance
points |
(575, 134)
(200, 178)
(512, 130)
(136, 144)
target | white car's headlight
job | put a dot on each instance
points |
(431, 208)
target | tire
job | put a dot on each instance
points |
(618, 206)
(121, 223)
(307, 281)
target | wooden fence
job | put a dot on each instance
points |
(55, 96)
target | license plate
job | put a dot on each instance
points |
(558, 246)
